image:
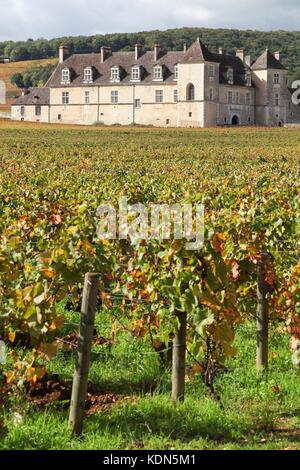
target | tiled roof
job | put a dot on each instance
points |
(34, 96)
(267, 61)
(125, 60)
(236, 64)
(198, 52)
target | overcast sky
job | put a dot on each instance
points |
(21, 19)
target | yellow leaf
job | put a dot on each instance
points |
(52, 327)
(29, 312)
(12, 336)
(9, 376)
(49, 273)
(27, 268)
(27, 294)
(19, 298)
(72, 230)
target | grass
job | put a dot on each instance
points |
(257, 413)
(8, 70)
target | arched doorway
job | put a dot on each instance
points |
(235, 120)
(279, 123)
(190, 92)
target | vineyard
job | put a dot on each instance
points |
(52, 180)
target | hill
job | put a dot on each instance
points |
(8, 70)
(254, 42)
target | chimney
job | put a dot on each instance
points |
(156, 52)
(277, 55)
(221, 51)
(184, 47)
(240, 54)
(25, 91)
(248, 60)
(64, 53)
(105, 53)
(138, 49)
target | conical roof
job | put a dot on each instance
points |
(197, 53)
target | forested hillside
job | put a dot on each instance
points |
(288, 42)
(28, 71)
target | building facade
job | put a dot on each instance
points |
(190, 88)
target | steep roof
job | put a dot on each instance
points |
(236, 64)
(34, 96)
(125, 60)
(198, 52)
(267, 61)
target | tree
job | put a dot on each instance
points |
(17, 80)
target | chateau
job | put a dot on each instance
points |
(190, 88)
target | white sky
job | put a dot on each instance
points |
(21, 19)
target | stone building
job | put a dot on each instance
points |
(190, 88)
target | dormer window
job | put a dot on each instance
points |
(135, 73)
(88, 75)
(115, 74)
(230, 76)
(158, 73)
(65, 76)
(176, 72)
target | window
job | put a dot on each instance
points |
(22, 111)
(211, 71)
(114, 96)
(236, 97)
(65, 76)
(38, 110)
(276, 99)
(176, 96)
(190, 114)
(158, 75)
(115, 74)
(167, 122)
(87, 97)
(230, 97)
(135, 73)
(176, 72)
(276, 78)
(59, 117)
(159, 96)
(88, 74)
(230, 76)
(248, 99)
(190, 92)
(137, 103)
(211, 94)
(248, 79)
(65, 97)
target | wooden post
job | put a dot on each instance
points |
(262, 316)
(80, 379)
(178, 363)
